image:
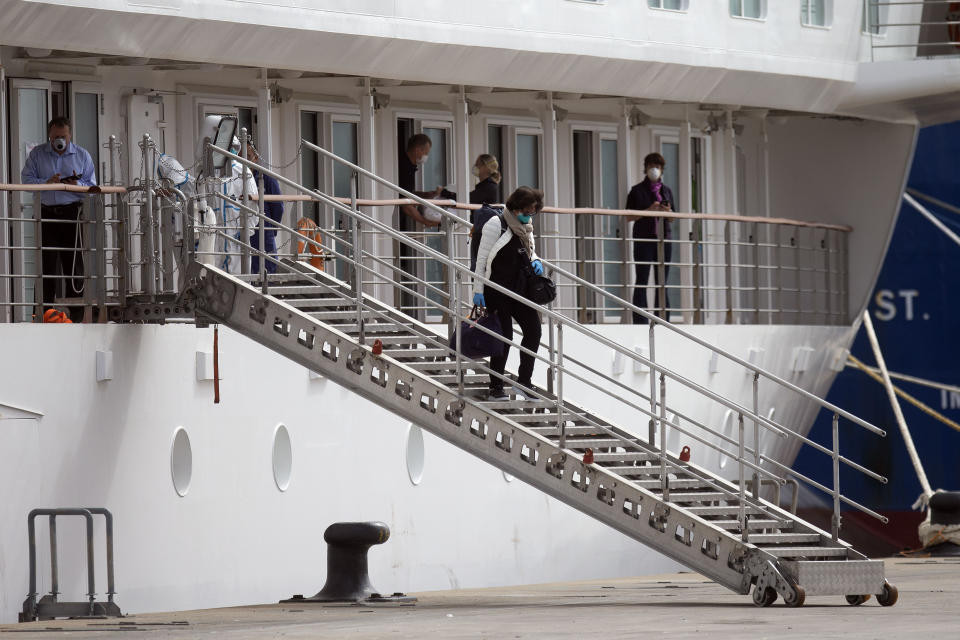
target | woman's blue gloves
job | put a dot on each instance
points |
(537, 267)
(478, 300)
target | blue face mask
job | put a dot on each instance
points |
(525, 218)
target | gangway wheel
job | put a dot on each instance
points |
(888, 597)
(799, 596)
(764, 597)
(856, 601)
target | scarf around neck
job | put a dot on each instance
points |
(655, 188)
(522, 231)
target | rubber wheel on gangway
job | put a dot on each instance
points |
(764, 597)
(888, 597)
(856, 601)
(798, 600)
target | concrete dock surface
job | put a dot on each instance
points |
(681, 605)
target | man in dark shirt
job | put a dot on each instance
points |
(650, 195)
(415, 154)
(273, 210)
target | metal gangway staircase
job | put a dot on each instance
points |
(725, 530)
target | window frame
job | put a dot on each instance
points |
(827, 15)
(882, 15)
(512, 127)
(684, 8)
(764, 8)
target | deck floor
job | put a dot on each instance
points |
(675, 606)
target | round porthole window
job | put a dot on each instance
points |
(282, 457)
(415, 454)
(181, 461)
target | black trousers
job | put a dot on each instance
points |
(508, 310)
(645, 256)
(63, 234)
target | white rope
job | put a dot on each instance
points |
(932, 218)
(933, 384)
(895, 404)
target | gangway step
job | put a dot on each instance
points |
(697, 496)
(675, 483)
(551, 430)
(753, 524)
(807, 552)
(593, 443)
(784, 538)
(623, 456)
(722, 511)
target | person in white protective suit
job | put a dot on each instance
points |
(228, 216)
(205, 218)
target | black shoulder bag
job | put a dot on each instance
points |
(539, 289)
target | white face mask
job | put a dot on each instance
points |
(653, 173)
(423, 159)
(476, 171)
(60, 144)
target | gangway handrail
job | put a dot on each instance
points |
(53, 186)
(677, 215)
(664, 372)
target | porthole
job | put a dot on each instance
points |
(282, 457)
(181, 461)
(415, 455)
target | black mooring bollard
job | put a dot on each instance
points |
(347, 577)
(945, 511)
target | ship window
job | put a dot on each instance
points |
(873, 17)
(415, 456)
(670, 5)
(816, 13)
(495, 147)
(282, 457)
(181, 461)
(756, 9)
(528, 160)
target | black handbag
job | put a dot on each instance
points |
(476, 343)
(539, 289)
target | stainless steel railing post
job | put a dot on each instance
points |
(756, 435)
(101, 248)
(697, 236)
(653, 388)
(728, 270)
(38, 237)
(148, 261)
(755, 238)
(661, 291)
(357, 252)
(835, 522)
(262, 234)
(242, 235)
(455, 315)
(561, 422)
(742, 517)
(664, 484)
(54, 565)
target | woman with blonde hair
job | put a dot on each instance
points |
(487, 169)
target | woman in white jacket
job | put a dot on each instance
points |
(501, 256)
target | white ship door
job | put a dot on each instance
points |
(30, 109)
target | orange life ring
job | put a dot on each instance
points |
(309, 230)
(953, 30)
(55, 316)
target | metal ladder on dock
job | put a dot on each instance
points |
(716, 527)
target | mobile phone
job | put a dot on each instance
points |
(69, 178)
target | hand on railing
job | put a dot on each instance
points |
(537, 267)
